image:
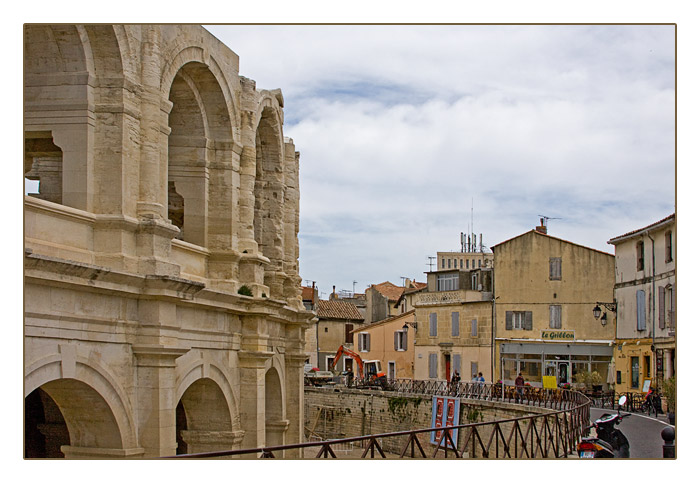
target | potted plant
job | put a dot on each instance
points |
(669, 391)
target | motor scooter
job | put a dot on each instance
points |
(609, 441)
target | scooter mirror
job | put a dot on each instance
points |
(622, 401)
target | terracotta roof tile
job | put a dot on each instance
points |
(669, 217)
(389, 290)
(307, 293)
(337, 309)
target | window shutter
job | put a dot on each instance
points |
(641, 311)
(432, 366)
(368, 342)
(662, 308)
(457, 363)
(433, 325)
(474, 328)
(555, 316)
(396, 340)
(455, 324)
(528, 321)
(509, 320)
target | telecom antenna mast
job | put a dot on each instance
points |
(545, 219)
(430, 262)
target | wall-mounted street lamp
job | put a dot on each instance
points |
(405, 326)
(611, 306)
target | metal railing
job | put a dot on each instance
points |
(553, 434)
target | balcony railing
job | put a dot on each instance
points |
(552, 434)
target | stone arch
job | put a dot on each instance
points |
(59, 74)
(201, 171)
(206, 415)
(269, 193)
(95, 408)
(275, 422)
(183, 54)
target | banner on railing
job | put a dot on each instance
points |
(445, 413)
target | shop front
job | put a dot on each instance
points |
(561, 360)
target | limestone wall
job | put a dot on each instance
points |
(344, 413)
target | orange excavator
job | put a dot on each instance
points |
(369, 372)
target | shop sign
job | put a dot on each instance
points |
(564, 335)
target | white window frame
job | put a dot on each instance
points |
(363, 341)
(400, 345)
(447, 282)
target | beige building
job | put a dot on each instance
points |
(464, 260)
(389, 341)
(163, 308)
(336, 321)
(454, 325)
(545, 292)
(645, 292)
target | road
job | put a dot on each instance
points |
(643, 433)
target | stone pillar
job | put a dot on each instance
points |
(252, 370)
(155, 378)
(246, 234)
(295, 401)
(292, 290)
(154, 130)
(211, 441)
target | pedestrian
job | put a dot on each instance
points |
(519, 385)
(454, 382)
(481, 379)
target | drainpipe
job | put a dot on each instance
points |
(653, 308)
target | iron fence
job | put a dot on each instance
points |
(553, 434)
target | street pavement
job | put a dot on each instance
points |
(643, 432)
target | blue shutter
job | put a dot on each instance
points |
(457, 363)
(455, 324)
(641, 311)
(432, 366)
(433, 325)
(474, 328)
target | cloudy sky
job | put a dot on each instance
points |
(402, 129)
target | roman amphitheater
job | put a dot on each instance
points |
(163, 310)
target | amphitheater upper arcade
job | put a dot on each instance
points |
(166, 185)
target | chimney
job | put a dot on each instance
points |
(542, 228)
(333, 296)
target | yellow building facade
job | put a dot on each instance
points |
(454, 325)
(545, 290)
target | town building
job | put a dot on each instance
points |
(454, 325)
(337, 320)
(472, 255)
(545, 290)
(381, 301)
(645, 298)
(163, 309)
(390, 341)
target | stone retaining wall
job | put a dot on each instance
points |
(343, 413)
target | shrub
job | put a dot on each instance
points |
(245, 290)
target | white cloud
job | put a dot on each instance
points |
(401, 127)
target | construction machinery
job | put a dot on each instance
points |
(369, 372)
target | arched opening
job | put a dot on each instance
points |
(43, 164)
(58, 127)
(68, 413)
(275, 425)
(269, 196)
(45, 430)
(203, 420)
